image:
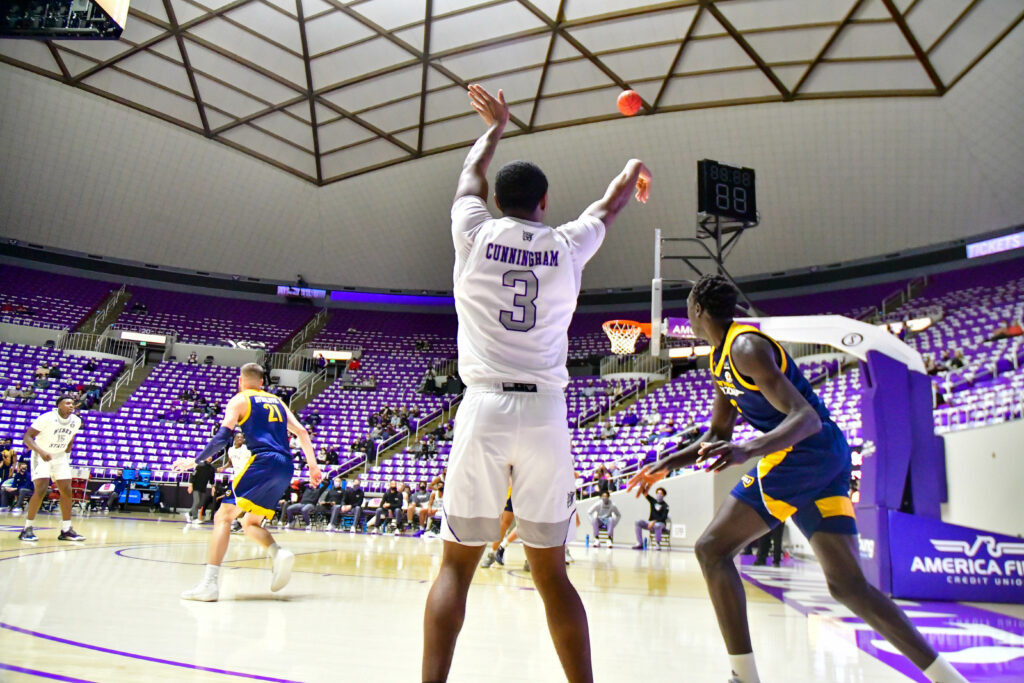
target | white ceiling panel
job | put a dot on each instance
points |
(351, 160)
(138, 92)
(272, 148)
(867, 76)
(367, 58)
(341, 133)
(465, 129)
(480, 25)
(389, 14)
(930, 18)
(756, 14)
(352, 62)
(649, 28)
(30, 52)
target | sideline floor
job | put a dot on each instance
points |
(108, 609)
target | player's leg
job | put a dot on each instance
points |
(837, 554)
(734, 525)
(66, 501)
(446, 608)
(566, 616)
(221, 534)
(41, 488)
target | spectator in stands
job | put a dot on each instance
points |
(1007, 330)
(8, 459)
(321, 456)
(114, 498)
(958, 360)
(55, 372)
(14, 392)
(90, 365)
(331, 502)
(43, 371)
(590, 391)
(603, 478)
(656, 521)
(433, 506)
(631, 418)
(41, 383)
(193, 358)
(608, 430)
(198, 483)
(351, 503)
(308, 500)
(220, 492)
(332, 456)
(28, 395)
(390, 509)
(604, 514)
(418, 500)
(19, 490)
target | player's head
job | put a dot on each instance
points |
(239, 439)
(65, 405)
(521, 189)
(250, 376)
(713, 298)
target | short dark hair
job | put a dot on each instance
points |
(62, 397)
(520, 185)
(716, 295)
(661, 491)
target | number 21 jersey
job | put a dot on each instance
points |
(516, 284)
(265, 424)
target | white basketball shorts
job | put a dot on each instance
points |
(57, 469)
(504, 430)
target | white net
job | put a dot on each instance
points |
(623, 335)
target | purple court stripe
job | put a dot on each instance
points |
(169, 662)
(42, 674)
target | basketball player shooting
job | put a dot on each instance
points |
(516, 284)
(804, 474)
(265, 422)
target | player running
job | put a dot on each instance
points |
(804, 474)
(50, 438)
(265, 422)
(516, 284)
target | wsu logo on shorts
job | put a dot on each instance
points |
(747, 481)
(569, 498)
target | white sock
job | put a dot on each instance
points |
(212, 572)
(65, 525)
(28, 523)
(503, 544)
(743, 668)
(941, 671)
(272, 549)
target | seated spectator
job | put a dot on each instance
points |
(631, 418)
(28, 395)
(54, 372)
(41, 383)
(1007, 330)
(590, 390)
(309, 499)
(18, 489)
(8, 459)
(114, 496)
(604, 515)
(193, 358)
(43, 371)
(958, 360)
(332, 456)
(390, 509)
(14, 392)
(603, 478)
(418, 500)
(331, 501)
(655, 522)
(608, 430)
(433, 506)
(351, 503)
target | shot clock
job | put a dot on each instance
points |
(726, 191)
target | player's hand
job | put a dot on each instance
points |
(643, 185)
(315, 475)
(46, 457)
(491, 109)
(183, 465)
(645, 479)
(725, 452)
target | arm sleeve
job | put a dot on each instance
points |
(39, 424)
(219, 442)
(585, 235)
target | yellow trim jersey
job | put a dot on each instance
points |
(265, 423)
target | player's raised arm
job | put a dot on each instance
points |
(494, 112)
(224, 437)
(634, 175)
(296, 428)
(756, 356)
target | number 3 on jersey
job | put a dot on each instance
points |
(525, 318)
(275, 413)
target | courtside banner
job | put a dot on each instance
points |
(678, 328)
(938, 561)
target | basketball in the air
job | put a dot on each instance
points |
(629, 102)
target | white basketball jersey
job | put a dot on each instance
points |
(238, 457)
(516, 284)
(56, 433)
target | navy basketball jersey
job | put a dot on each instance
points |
(265, 423)
(745, 395)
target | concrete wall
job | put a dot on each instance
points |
(222, 355)
(23, 334)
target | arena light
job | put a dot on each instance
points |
(681, 352)
(702, 350)
(332, 355)
(144, 338)
(996, 245)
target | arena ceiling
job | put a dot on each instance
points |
(330, 89)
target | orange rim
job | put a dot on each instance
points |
(645, 328)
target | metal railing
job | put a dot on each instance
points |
(108, 398)
(305, 387)
(637, 364)
(608, 403)
(300, 339)
(102, 313)
(85, 341)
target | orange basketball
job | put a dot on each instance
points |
(629, 102)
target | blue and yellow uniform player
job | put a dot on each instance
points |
(265, 421)
(804, 473)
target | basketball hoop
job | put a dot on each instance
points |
(624, 333)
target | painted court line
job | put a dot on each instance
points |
(42, 674)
